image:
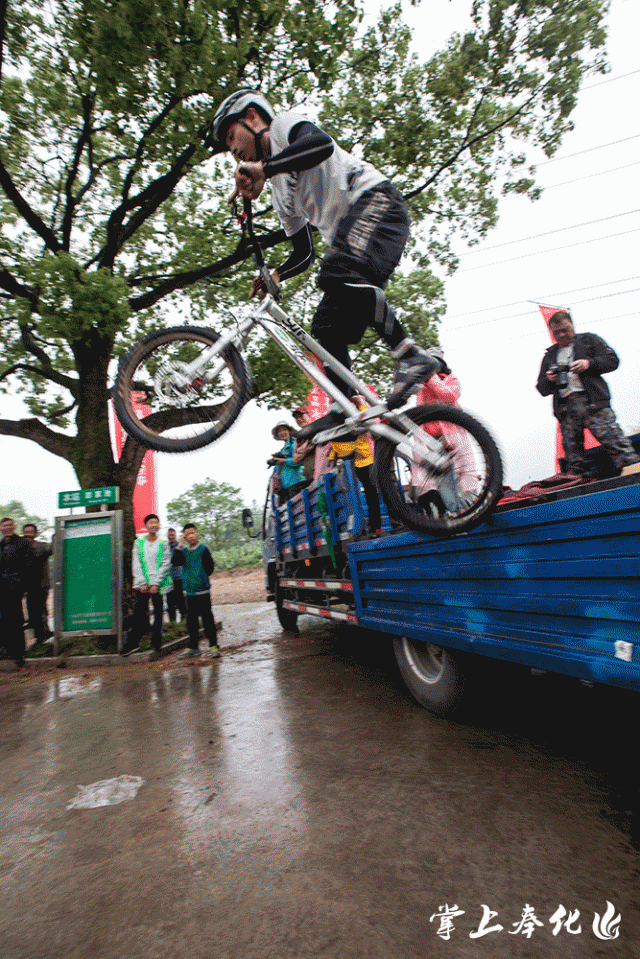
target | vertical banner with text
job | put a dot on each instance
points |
(145, 494)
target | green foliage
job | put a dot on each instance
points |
(114, 215)
(16, 511)
(216, 509)
(74, 302)
(247, 555)
(447, 131)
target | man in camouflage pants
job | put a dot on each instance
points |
(581, 398)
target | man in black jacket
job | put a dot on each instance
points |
(16, 563)
(572, 370)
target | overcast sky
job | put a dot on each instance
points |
(576, 248)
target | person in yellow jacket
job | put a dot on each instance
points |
(360, 451)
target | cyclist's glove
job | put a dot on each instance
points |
(259, 286)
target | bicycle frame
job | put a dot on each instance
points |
(296, 343)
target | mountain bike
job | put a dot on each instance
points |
(178, 389)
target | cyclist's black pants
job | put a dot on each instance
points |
(366, 249)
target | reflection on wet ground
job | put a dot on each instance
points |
(295, 802)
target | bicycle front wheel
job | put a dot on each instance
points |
(169, 401)
(451, 495)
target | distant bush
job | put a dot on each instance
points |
(247, 555)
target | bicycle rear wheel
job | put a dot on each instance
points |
(166, 405)
(457, 495)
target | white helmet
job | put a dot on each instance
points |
(233, 109)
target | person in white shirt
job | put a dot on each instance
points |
(150, 565)
(358, 212)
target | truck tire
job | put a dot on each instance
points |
(433, 674)
(288, 618)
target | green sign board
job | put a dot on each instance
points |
(87, 574)
(89, 497)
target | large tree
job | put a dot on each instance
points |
(113, 213)
(108, 206)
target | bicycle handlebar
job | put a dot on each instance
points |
(247, 224)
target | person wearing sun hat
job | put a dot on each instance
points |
(289, 474)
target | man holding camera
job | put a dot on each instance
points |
(572, 370)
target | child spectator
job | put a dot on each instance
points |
(443, 388)
(175, 596)
(197, 569)
(305, 453)
(360, 451)
(150, 564)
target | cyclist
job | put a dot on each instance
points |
(358, 212)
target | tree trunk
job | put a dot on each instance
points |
(92, 454)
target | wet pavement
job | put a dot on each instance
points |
(291, 800)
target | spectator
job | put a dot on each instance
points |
(288, 473)
(572, 371)
(150, 563)
(305, 453)
(16, 563)
(197, 569)
(444, 388)
(360, 451)
(39, 586)
(175, 596)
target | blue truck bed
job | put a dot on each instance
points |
(550, 583)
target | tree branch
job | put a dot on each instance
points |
(25, 211)
(59, 378)
(83, 140)
(11, 285)
(32, 429)
(149, 198)
(468, 143)
(181, 280)
(148, 201)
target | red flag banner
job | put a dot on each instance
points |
(145, 494)
(548, 311)
(589, 440)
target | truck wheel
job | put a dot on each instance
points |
(433, 674)
(288, 618)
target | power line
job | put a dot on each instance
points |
(603, 319)
(590, 176)
(547, 296)
(555, 249)
(601, 146)
(537, 236)
(515, 316)
(600, 83)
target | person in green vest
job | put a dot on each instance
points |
(197, 569)
(150, 565)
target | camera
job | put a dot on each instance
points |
(561, 371)
(272, 462)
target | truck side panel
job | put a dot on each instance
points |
(553, 585)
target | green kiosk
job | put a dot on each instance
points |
(87, 599)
